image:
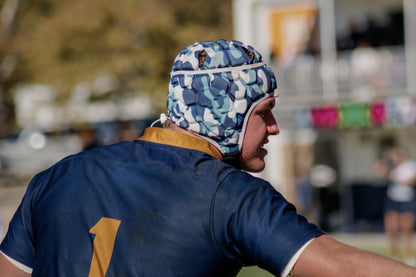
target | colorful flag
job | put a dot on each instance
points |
(377, 113)
(325, 117)
(354, 115)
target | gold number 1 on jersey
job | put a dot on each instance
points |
(105, 235)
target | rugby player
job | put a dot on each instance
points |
(179, 200)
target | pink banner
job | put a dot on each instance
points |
(377, 113)
(325, 117)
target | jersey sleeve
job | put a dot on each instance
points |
(253, 223)
(18, 244)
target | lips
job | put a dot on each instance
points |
(262, 150)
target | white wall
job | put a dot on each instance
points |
(357, 154)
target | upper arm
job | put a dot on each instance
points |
(10, 270)
(326, 256)
(316, 259)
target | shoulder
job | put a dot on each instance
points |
(241, 182)
(242, 193)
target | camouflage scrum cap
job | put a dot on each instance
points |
(213, 88)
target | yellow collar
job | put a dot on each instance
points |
(163, 136)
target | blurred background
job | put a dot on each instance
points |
(78, 74)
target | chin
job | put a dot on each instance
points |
(258, 169)
(254, 166)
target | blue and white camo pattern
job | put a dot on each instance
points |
(214, 100)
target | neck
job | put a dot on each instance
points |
(176, 128)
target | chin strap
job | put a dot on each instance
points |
(162, 119)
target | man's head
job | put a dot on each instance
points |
(213, 89)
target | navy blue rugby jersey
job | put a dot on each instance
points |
(152, 207)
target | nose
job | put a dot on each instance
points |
(271, 124)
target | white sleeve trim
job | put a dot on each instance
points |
(17, 264)
(294, 259)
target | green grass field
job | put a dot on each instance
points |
(254, 271)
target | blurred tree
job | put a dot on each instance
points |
(8, 59)
(64, 43)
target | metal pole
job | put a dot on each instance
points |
(243, 20)
(328, 49)
(409, 11)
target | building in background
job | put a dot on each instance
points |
(346, 77)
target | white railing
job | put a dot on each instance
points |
(360, 74)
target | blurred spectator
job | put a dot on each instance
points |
(304, 196)
(374, 32)
(88, 137)
(400, 202)
(323, 179)
(127, 132)
(368, 64)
